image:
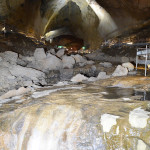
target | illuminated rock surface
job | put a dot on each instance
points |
(74, 117)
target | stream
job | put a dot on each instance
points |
(76, 117)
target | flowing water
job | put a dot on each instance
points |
(75, 117)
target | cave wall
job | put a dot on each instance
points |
(91, 20)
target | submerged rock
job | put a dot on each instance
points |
(120, 71)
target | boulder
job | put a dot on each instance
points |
(68, 62)
(52, 51)
(60, 53)
(79, 78)
(79, 59)
(21, 62)
(1, 58)
(66, 74)
(39, 54)
(7, 80)
(27, 74)
(106, 64)
(9, 56)
(53, 76)
(120, 71)
(90, 62)
(124, 59)
(52, 63)
(12, 93)
(102, 75)
(129, 66)
(92, 79)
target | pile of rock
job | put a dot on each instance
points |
(17, 70)
(13, 75)
(121, 70)
(51, 67)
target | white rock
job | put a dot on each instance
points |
(102, 75)
(120, 71)
(27, 83)
(28, 59)
(6, 78)
(106, 64)
(39, 54)
(60, 53)
(12, 93)
(107, 121)
(138, 118)
(52, 63)
(9, 56)
(68, 62)
(129, 66)
(141, 145)
(28, 73)
(79, 59)
(79, 78)
(92, 79)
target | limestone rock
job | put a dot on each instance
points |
(1, 58)
(68, 62)
(9, 56)
(52, 63)
(66, 74)
(79, 78)
(7, 80)
(28, 74)
(39, 54)
(79, 59)
(52, 51)
(60, 53)
(90, 62)
(53, 76)
(106, 64)
(129, 66)
(124, 59)
(102, 75)
(120, 71)
(21, 62)
(12, 93)
(92, 79)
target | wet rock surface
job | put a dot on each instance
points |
(76, 117)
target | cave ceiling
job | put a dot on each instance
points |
(91, 20)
